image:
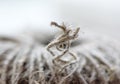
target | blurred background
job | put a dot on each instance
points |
(97, 16)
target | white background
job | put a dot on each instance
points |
(98, 16)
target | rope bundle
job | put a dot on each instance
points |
(25, 60)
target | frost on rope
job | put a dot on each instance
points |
(25, 60)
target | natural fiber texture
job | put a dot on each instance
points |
(25, 60)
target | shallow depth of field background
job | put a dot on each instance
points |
(98, 16)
